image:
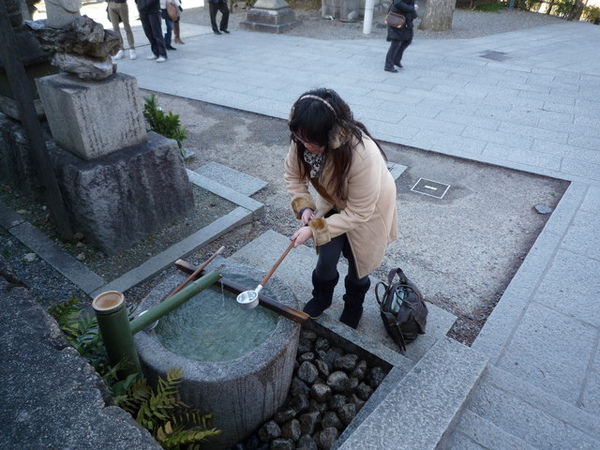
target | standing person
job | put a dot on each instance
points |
(400, 38)
(168, 21)
(176, 30)
(119, 12)
(150, 18)
(213, 7)
(354, 212)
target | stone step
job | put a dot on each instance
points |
(521, 409)
(296, 270)
(424, 404)
(473, 432)
(238, 181)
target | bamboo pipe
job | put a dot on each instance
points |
(169, 304)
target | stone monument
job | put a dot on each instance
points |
(120, 182)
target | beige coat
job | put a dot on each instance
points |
(368, 216)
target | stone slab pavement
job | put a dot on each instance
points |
(527, 100)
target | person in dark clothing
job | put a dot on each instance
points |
(213, 7)
(150, 17)
(400, 38)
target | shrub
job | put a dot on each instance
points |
(168, 125)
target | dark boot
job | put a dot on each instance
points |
(322, 296)
(353, 301)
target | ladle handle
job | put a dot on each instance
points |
(276, 265)
(196, 272)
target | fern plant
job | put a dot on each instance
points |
(168, 125)
(173, 424)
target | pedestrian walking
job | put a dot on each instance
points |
(213, 7)
(400, 38)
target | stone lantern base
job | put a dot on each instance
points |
(271, 16)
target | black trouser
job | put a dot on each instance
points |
(394, 54)
(153, 31)
(329, 255)
(212, 9)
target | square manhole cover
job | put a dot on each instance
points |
(431, 188)
(496, 56)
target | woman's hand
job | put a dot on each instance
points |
(307, 215)
(301, 236)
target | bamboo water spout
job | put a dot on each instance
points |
(117, 332)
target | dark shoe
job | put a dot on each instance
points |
(225, 31)
(170, 47)
(322, 296)
(393, 70)
(398, 65)
(217, 32)
(353, 302)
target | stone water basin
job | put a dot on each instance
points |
(237, 364)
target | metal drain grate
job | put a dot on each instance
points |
(496, 56)
(430, 188)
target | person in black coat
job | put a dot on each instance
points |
(213, 7)
(150, 17)
(400, 38)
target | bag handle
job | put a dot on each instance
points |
(385, 289)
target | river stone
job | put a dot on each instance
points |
(282, 444)
(339, 382)
(376, 376)
(306, 443)
(309, 421)
(321, 392)
(291, 430)
(328, 436)
(284, 415)
(346, 362)
(363, 391)
(269, 431)
(346, 413)
(308, 372)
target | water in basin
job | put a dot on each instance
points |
(212, 327)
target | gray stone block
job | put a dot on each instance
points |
(56, 257)
(474, 432)
(128, 195)
(417, 413)
(548, 348)
(51, 397)
(92, 119)
(231, 178)
(540, 419)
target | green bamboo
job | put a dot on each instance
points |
(169, 304)
(113, 323)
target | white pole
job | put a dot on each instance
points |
(368, 20)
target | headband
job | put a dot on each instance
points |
(325, 102)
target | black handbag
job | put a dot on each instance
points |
(395, 20)
(403, 311)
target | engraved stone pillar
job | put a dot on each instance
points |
(92, 119)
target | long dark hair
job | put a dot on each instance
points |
(322, 117)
